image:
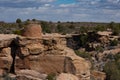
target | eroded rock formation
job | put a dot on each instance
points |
(35, 56)
(50, 55)
(45, 56)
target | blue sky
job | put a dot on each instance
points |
(61, 10)
(65, 1)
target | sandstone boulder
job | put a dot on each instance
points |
(5, 59)
(24, 51)
(35, 48)
(5, 40)
(26, 77)
(30, 74)
(97, 75)
(82, 66)
(66, 76)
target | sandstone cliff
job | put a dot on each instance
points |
(45, 56)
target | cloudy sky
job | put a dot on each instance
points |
(61, 10)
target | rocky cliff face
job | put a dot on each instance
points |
(50, 55)
(44, 56)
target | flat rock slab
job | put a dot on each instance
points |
(7, 36)
(6, 39)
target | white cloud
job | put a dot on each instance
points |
(62, 11)
(80, 15)
(27, 0)
(114, 1)
(47, 5)
(68, 5)
(83, 10)
(43, 1)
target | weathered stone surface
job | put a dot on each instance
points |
(66, 76)
(5, 40)
(26, 77)
(5, 59)
(24, 51)
(32, 30)
(46, 64)
(22, 63)
(47, 55)
(35, 49)
(51, 55)
(30, 74)
(97, 75)
(82, 66)
(1, 72)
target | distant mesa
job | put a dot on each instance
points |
(32, 30)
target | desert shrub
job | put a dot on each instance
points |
(45, 27)
(33, 19)
(60, 28)
(112, 68)
(117, 59)
(99, 49)
(83, 40)
(83, 54)
(71, 26)
(51, 77)
(117, 56)
(18, 20)
(110, 56)
(99, 28)
(83, 29)
(64, 29)
(114, 42)
(7, 77)
(112, 71)
(18, 32)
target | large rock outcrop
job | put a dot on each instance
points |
(45, 56)
(5, 53)
(50, 55)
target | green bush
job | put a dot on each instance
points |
(112, 68)
(117, 59)
(83, 29)
(83, 40)
(7, 77)
(99, 28)
(112, 71)
(117, 56)
(18, 21)
(45, 27)
(60, 28)
(51, 77)
(114, 42)
(18, 32)
(83, 54)
(99, 49)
